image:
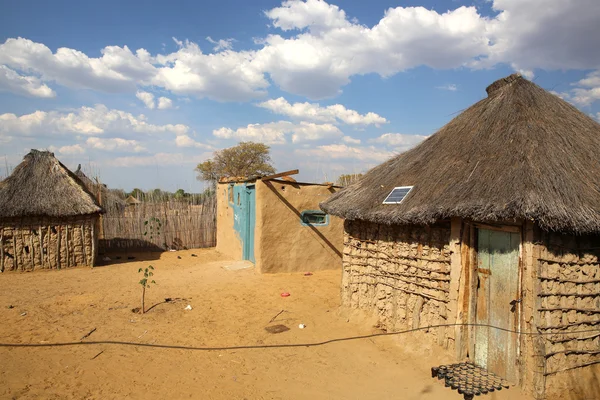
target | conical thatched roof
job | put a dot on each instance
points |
(522, 152)
(42, 186)
(103, 195)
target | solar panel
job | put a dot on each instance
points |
(397, 195)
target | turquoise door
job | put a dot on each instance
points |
(496, 304)
(250, 222)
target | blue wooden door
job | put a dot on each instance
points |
(250, 217)
(497, 290)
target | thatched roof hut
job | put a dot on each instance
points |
(493, 228)
(521, 152)
(47, 216)
(41, 186)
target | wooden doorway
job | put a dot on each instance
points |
(497, 298)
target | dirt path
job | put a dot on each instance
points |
(230, 308)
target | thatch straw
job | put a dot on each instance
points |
(105, 197)
(521, 153)
(42, 186)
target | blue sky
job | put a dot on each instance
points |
(140, 92)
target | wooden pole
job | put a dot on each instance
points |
(67, 243)
(59, 233)
(41, 246)
(48, 252)
(93, 228)
(85, 261)
(15, 251)
(22, 245)
(32, 249)
(2, 250)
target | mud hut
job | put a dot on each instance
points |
(47, 217)
(275, 222)
(494, 220)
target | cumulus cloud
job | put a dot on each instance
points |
(160, 159)
(146, 98)
(314, 112)
(346, 152)
(221, 44)
(91, 121)
(585, 91)
(11, 81)
(187, 141)
(350, 140)
(72, 150)
(275, 132)
(398, 141)
(115, 144)
(164, 103)
(322, 49)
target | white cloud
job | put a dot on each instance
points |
(314, 112)
(115, 144)
(323, 49)
(398, 141)
(451, 87)
(275, 132)
(146, 98)
(186, 141)
(11, 81)
(350, 140)
(159, 159)
(221, 44)
(91, 121)
(343, 151)
(164, 103)
(68, 150)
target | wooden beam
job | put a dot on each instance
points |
(280, 174)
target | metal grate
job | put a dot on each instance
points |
(469, 379)
(397, 195)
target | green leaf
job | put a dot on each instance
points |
(154, 282)
(151, 267)
(140, 270)
(145, 222)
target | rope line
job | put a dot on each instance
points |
(279, 346)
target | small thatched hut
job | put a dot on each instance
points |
(47, 217)
(494, 220)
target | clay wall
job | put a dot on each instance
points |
(282, 242)
(228, 240)
(400, 273)
(30, 244)
(569, 302)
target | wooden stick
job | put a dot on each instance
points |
(88, 334)
(59, 233)
(566, 262)
(93, 229)
(1, 249)
(595, 335)
(23, 265)
(96, 356)
(41, 246)
(32, 250)
(83, 244)
(584, 310)
(569, 294)
(548, 278)
(278, 314)
(587, 364)
(67, 243)
(15, 251)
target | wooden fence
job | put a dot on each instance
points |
(158, 225)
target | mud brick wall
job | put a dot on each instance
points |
(569, 301)
(29, 244)
(401, 273)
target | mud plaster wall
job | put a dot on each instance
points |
(29, 244)
(569, 301)
(401, 273)
(283, 244)
(228, 240)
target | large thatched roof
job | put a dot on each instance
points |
(522, 152)
(42, 186)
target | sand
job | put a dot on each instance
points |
(229, 308)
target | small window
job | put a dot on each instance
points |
(397, 195)
(230, 193)
(312, 217)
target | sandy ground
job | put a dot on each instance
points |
(230, 308)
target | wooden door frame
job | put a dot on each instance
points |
(472, 264)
